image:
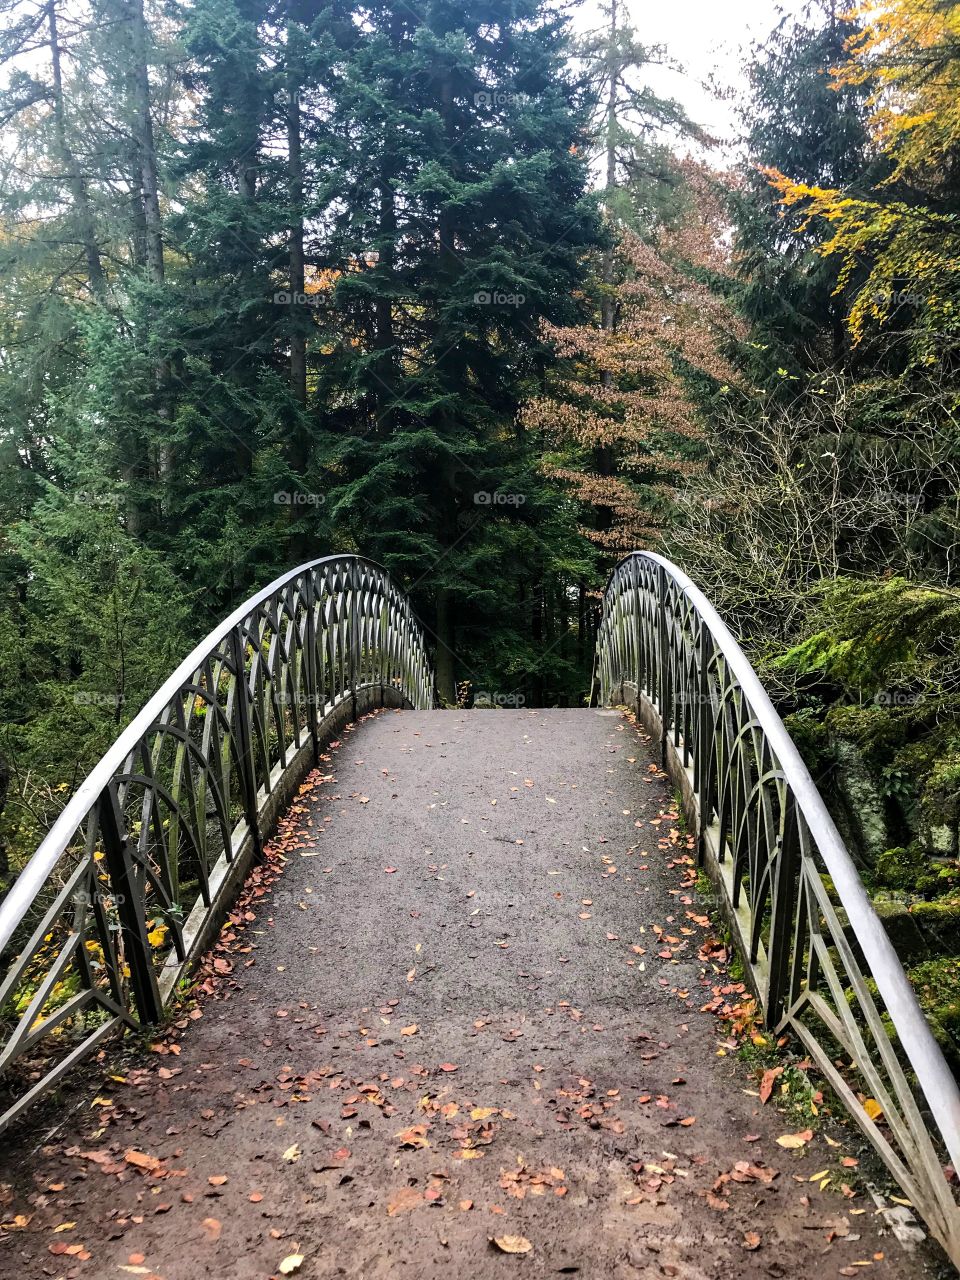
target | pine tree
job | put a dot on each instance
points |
(458, 222)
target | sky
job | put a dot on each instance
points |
(710, 37)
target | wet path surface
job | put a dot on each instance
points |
(455, 1028)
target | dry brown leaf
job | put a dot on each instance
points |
(403, 1200)
(141, 1160)
(767, 1083)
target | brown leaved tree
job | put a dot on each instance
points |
(622, 412)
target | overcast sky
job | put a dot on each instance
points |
(710, 37)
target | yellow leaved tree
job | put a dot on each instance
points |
(899, 248)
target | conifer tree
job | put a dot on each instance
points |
(457, 223)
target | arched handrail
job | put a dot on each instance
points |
(137, 872)
(818, 957)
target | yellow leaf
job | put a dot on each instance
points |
(292, 1153)
(292, 1262)
(483, 1113)
(873, 1108)
(793, 1141)
(156, 936)
(513, 1244)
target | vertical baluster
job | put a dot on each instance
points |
(784, 909)
(664, 675)
(311, 683)
(127, 891)
(353, 638)
(248, 776)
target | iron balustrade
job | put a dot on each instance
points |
(817, 956)
(137, 873)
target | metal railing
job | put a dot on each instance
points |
(817, 956)
(137, 873)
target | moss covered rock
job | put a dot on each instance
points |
(937, 984)
(907, 868)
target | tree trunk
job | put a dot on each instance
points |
(4, 792)
(298, 338)
(607, 302)
(146, 147)
(77, 183)
(146, 153)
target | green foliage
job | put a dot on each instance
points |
(937, 984)
(906, 868)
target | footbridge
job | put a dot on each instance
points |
(409, 990)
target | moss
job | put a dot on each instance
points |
(939, 921)
(937, 984)
(941, 795)
(870, 727)
(907, 868)
(810, 735)
(903, 930)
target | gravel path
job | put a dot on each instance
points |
(461, 1004)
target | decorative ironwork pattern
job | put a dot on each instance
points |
(127, 888)
(819, 959)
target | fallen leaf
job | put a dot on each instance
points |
(792, 1141)
(415, 1136)
(766, 1084)
(212, 1228)
(141, 1160)
(751, 1240)
(292, 1262)
(406, 1198)
(513, 1244)
(292, 1153)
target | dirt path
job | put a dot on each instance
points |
(469, 1009)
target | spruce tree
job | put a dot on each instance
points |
(457, 223)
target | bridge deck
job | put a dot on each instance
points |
(452, 1017)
